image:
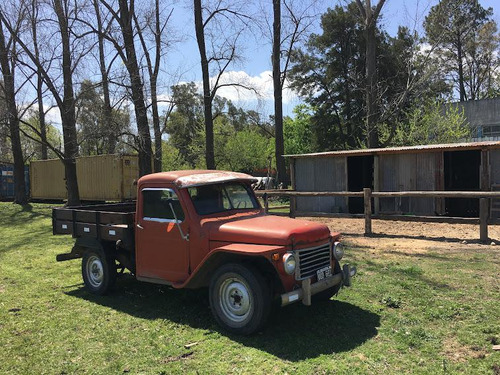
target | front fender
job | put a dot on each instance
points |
(230, 253)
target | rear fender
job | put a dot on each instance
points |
(83, 244)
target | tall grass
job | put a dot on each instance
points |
(429, 312)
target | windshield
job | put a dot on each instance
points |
(209, 199)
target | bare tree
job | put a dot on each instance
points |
(124, 17)
(7, 65)
(52, 73)
(278, 93)
(222, 55)
(153, 67)
(287, 31)
(103, 67)
(39, 79)
(369, 17)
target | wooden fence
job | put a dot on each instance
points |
(483, 196)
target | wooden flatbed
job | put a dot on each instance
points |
(108, 222)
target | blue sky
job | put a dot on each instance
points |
(255, 66)
(182, 60)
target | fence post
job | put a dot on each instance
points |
(293, 205)
(483, 219)
(266, 203)
(368, 211)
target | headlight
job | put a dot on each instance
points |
(289, 263)
(338, 251)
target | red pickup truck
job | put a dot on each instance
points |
(192, 229)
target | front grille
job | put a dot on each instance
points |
(312, 259)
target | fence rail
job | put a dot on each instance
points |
(483, 196)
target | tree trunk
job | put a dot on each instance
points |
(136, 86)
(278, 95)
(68, 110)
(156, 127)
(371, 86)
(154, 94)
(39, 83)
(461, 83)
(41, 118)
(20, 196)
(207, 96)
(108, 112)
(370, 16)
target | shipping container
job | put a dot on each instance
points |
(100, 178)
(7, 180)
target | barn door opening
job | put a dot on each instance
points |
(461, 173)
(359, 176)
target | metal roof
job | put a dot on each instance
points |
(407, 149)
(189, 178)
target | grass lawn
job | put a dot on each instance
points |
(419, 313)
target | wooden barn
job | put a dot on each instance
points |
(444, 167)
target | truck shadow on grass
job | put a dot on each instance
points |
(293, 333)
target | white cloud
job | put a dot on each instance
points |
(53, 116)
(261, 85)
(250, 91)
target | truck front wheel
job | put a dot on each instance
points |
(98, 271)
(240, 298)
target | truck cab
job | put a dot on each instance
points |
(193, 229)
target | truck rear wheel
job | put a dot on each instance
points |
(240, 298)
(98, 272)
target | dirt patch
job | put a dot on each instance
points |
(456, 352)
(412, 236)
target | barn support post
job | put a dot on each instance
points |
(367, 192)
(483, 220)
(376, 183)
(485, 170)
(293, 199)
(293, 205)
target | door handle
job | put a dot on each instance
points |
(139, 226)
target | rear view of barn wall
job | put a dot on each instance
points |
(103, 177)
(407, 172)
(321, 174)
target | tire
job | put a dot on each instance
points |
(98, 272)
(325, 295)
(240, 298)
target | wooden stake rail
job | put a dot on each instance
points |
(368, 194)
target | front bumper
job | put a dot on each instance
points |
(307, 290)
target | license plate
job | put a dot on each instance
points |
(324, 273)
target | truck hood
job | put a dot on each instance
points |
(269, 230)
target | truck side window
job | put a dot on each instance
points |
(155, 205)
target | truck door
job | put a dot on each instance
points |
(161, 251)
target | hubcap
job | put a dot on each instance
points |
(235, 299)
(95, 271)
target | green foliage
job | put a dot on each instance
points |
(246, 151)
(171, 158)
(330, 76)
(185, 124)
(32, 149)
(466, 45)
(95, 135)
(297, 131)
(241, 139)
(433, 123)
